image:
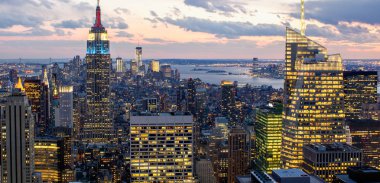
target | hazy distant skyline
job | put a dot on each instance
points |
(209, 29)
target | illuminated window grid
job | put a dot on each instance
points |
(313, 92)
(162, 152)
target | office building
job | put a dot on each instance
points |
(166, 71)
(98, 126)
(48, 153)
(120, 66)
(257, 176)
(17, 139)
(327, 160)
(268, 128)
(218, 149)
(33, 90)
(365, 135)
(65, 136)
(238, 158)
(45, 103)
(204, 171)
(313, 97)
(161, 148)
(134, 67)
(65, 107)
(294, 175)
(228, 101)
(150, 105)
(191, 97)
(360, 87)
(358, 175)
(154, 66)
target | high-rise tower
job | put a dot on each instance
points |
(313, 97)
(98, 126)
(17, 132)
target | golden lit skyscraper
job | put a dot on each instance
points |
(161, 148)
(155, 66)
(98, 126)
(49, 159)
(313, 97)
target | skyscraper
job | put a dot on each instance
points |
(120, 66)
(161, 148)
(49, 158)
(33, 90)
(65, 107)
(155, 66)
(228, 101)
(98, 126)
(238, 159)
(360, 87)
(268, 129)
(313, 97)
(191, 97)
(17, 140)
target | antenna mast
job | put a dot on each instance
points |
(303, 24)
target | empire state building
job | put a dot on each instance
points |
(98, 126)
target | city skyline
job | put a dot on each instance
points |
(213, 29)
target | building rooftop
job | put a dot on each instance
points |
(286, 173)
(334, 147)
(161, 118)
(262, 176)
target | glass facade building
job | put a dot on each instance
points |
(313, 97)
(268, 130)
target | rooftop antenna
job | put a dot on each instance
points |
(303, 24)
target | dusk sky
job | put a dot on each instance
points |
(230, 29)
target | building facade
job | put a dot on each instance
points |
(268, 130)
(327, 160)
(228, 101)
(365, 135)
(313, 97)
(17, 139)
(161, 148)
(238, 156)
(360, 87)
(98, 126)
(49, 159)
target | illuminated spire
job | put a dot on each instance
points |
(19, 85)
(45, 80)
(98, 21)
(303, 24)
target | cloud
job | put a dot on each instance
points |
(226, 29)
(224, 6)
(122, 11)
(73, 24)
(31, 32)
(124, 34)
(335, 11)
(115, 23)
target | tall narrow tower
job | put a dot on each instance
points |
(98, 126)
